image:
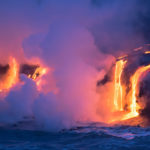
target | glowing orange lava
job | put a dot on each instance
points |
(41, 71)
(134, 107)
(147, 52)
(118, 94)
(11, 77)
(119, 98)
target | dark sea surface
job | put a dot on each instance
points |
(90, 136)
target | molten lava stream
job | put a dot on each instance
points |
(118, 94)
(134, 107)
(11, 77)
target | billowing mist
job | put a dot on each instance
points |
(77, 41)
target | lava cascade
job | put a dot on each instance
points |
(121, 96)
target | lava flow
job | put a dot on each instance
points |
(127, 100)
(118, 95)
(40, 71)
(10, 74)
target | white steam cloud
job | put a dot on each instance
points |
(78, 40)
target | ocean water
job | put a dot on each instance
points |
(91, 136)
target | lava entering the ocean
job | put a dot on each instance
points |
(129, 71)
